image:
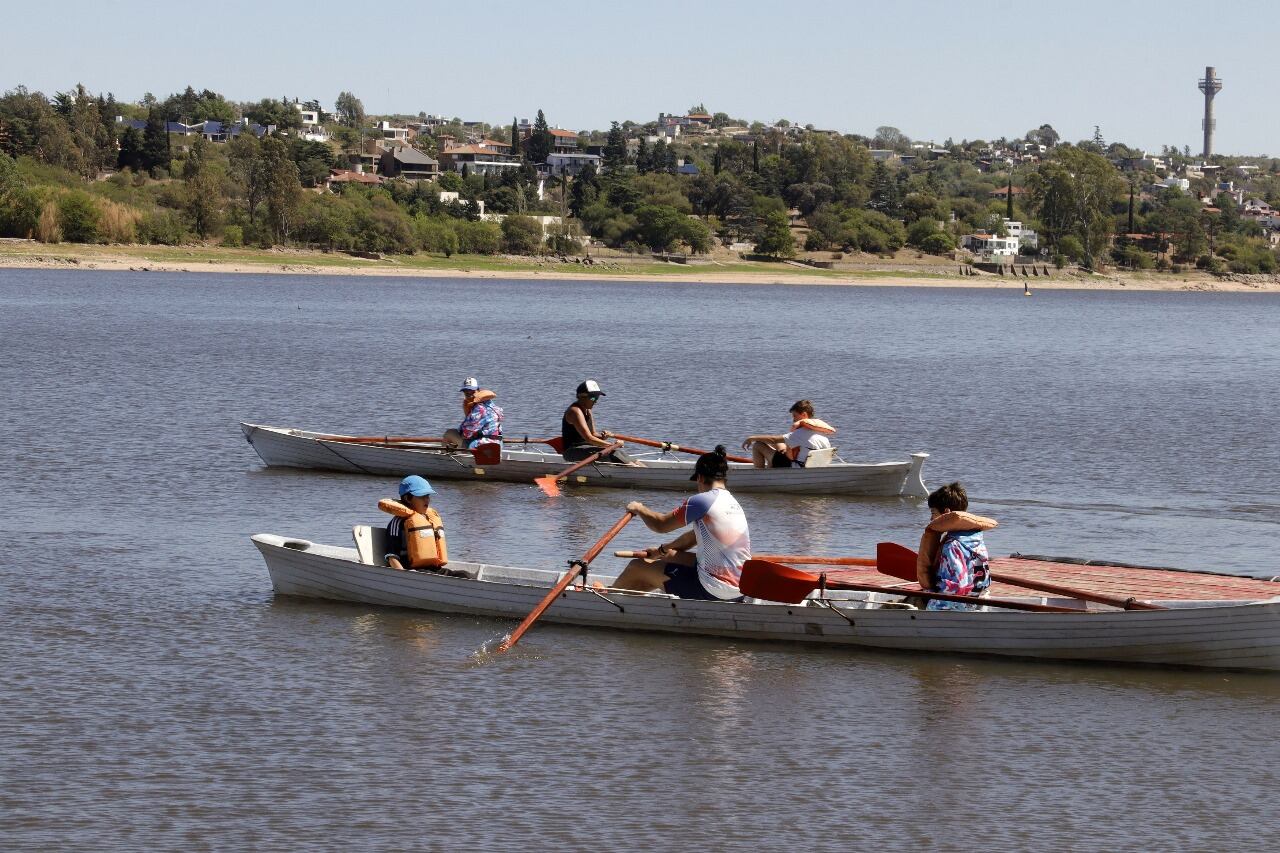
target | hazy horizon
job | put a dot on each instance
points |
(992, 70)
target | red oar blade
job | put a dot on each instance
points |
(548, 484)
(776, 582)
(487, 454)
(896, 560)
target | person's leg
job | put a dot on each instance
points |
(760, 453)
(763, 453)
(620, 457)
(641, 576)
(682, 578)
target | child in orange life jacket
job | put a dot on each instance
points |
(416, 531)
(953, 556)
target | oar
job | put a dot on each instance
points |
(791, 558)
(819, 561)
(666, 445)
(576, 568)
(412, 439)
(380, 439)
(899, 561)
(547, 482)
(775, 582)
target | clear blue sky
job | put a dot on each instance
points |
(930, 68)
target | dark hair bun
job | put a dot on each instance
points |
(712, 465)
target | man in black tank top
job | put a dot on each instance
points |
(578, 429)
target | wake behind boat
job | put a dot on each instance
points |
(1211, 620)
(824, 474)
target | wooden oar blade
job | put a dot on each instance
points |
(896, 561)
(775, 582)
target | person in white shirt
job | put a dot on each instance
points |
(791, 449)
(704, 562)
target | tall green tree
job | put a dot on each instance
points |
(540, 142)
(1044, 135)
(203, 192)
(615, 147)
(1182, 218)
(20, 206)
(281, 191)
(281, 114)
(1073, 194)
(349, 109)
(130, 155)
(776, 239)
(155, 142)
(884, 192)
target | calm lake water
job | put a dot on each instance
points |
(157, 696)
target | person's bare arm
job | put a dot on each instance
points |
(927, 557)
(658, 522)
(683, 542)
(578, 420)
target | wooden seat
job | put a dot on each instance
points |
(819, 458)
(372, 544)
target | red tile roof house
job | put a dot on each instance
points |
(564, 141)
(346, 176)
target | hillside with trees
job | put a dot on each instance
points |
(81, 167)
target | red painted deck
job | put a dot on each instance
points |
(1110, 580)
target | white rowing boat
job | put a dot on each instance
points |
(1237, 634)
(826, 474)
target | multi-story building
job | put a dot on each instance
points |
(989, 246)
(477, 160)
(401, 161)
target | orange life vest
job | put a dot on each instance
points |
(423, 535)
(481, 396)
(813, 424)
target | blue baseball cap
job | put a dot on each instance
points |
(415, 485)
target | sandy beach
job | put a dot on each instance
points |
(26, 254)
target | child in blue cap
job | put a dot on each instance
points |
(415, 493)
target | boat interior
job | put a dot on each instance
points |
(371, 546)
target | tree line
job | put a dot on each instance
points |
(826, 190)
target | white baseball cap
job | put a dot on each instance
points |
(470, 384)
(590, 387)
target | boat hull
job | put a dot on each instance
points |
(280, 447)
(1231, 635)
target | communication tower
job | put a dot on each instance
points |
(1211, 86)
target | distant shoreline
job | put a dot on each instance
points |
(23, 254)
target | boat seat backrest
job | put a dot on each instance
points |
(372, 544)
(819, 458)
